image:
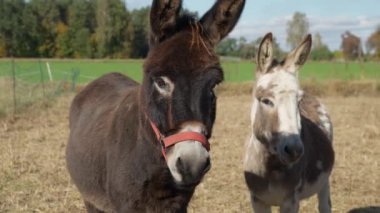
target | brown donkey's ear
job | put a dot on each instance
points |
(163, 19)
(221, 19)
(295, 59)
(264, 55)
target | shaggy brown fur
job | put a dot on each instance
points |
(113, 156)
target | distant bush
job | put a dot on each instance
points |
(321, 53)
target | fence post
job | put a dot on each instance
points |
(74, 79)
(42, 78)
(14, 86)
(49, 71)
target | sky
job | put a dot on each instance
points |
(330, 18)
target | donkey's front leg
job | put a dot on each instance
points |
(258, 206)
(290, 205)
(324, 201)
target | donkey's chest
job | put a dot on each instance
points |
(307, 189)
(274, 187)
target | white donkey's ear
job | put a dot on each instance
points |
(295, 59)
(264, 55)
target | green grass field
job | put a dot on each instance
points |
(240, 71)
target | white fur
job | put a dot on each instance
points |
(187, 150)
(286, 94)
(253, 162)
(325, 120)
(282, 82)
(166, 92)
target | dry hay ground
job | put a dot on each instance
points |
(33, 176)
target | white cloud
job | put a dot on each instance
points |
(330, 28)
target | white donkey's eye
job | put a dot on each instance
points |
(267, 102)
(164, 85)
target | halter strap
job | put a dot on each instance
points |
(177, 138)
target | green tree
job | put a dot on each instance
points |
(248, 50)
(297, 28)
(81, 27)
(139, 32)
(111, 33)
(320, 51)
(63, 45)
(62, 38)
(228, 47)
(31, 32)
(2, 48)
(12, 27)
(43, 29)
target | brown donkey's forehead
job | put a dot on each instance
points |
(184, 52)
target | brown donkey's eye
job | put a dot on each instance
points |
(160, 83)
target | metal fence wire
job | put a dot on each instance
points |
(22, 84)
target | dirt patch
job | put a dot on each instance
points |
(34, 177)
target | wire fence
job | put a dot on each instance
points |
(22, 84)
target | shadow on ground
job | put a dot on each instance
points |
(369, 209)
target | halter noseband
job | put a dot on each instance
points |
(177, 138)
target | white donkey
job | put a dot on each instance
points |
(289, 156)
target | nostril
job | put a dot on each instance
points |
(287, 150)
(180, 165)
(293, 151)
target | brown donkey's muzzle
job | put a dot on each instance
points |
(186, 153)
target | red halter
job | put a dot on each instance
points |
(179, 137)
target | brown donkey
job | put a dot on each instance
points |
(290, 155)
(144, 148)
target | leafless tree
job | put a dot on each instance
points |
(351, 46)
(373, 43)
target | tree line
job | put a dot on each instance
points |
(108, 29)
(72, 29)
(297, 29)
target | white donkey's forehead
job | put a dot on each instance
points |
(279, 81)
